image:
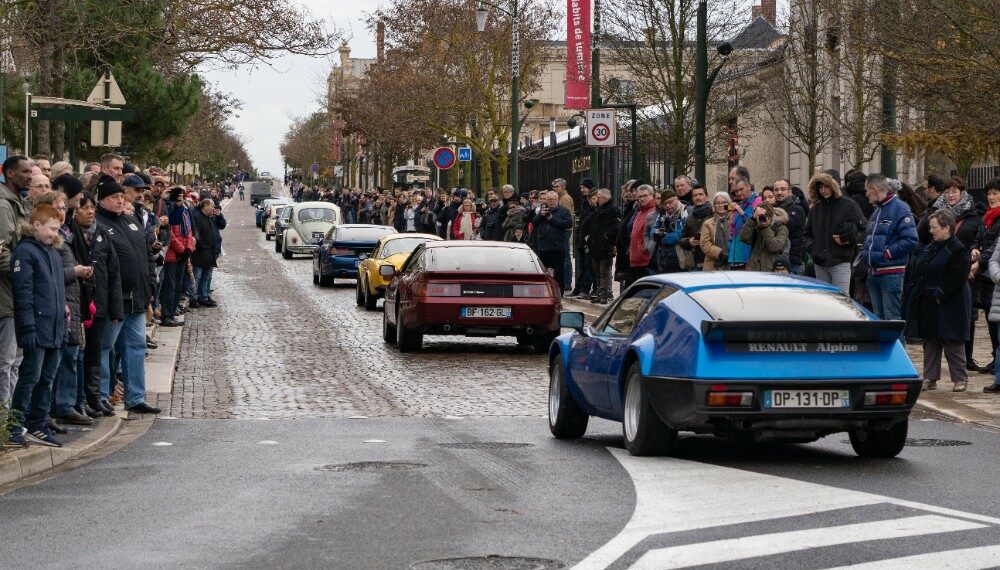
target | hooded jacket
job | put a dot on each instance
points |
(767, 242)
(891, 236)
(831, 216)
(39, 291)
(12, 215)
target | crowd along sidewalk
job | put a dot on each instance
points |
(972, 406)
(18, 464)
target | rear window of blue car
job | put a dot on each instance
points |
(498, 259)
(777, 304)
(362, 234)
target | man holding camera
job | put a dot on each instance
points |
(745, 201)
(551, 223)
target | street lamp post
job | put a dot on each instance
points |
(703, 81)
(515, 81)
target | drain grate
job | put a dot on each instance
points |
(936, 442)
(371, 466)
(930, 442)
(484, 445)
(492, 562)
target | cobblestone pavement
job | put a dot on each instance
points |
(279, 346)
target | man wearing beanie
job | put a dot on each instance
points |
(135, 262)
(73, 189)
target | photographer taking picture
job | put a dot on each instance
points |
(766, 232)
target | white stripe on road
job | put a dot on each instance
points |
(675, 495)
(977, 558)
(728, 550)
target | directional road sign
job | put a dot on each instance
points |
(602, 129)
(444, 158)
(464, 154)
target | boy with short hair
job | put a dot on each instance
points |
(40, 315)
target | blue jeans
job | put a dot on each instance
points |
(108, 340)
(887, 294)
(33, 393)
(67, 386)
(996, 379)
(131, 345)
(203, 281)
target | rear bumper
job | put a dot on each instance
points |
(340, 266)
(443, 316)
(681, 404)
(300, 248)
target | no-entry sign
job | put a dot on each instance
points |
(602, 129)
(444, 158)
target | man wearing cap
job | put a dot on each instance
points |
(135, 260)
(17, 173)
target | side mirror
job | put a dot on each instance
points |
(387, 271)
(572, 320)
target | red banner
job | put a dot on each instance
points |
(578, 54)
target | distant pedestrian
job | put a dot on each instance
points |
(939, 302)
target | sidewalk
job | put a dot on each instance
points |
(969, 406)
(19, 464)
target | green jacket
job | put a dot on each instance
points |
(12, 215)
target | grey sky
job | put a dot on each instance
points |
(291, 86)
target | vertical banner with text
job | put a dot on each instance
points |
(577, 54)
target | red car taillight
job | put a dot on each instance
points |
(534, 290)
(433, 289)
(719, 396)
(894, 396)
(339, 251)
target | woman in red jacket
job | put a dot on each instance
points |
(465, 224)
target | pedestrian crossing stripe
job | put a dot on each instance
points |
(967, 558)
(675, 495)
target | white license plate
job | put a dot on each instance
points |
(318, 235)
(807, 399)
(486, 312)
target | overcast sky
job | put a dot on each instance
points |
(291, 86)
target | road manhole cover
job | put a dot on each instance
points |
(489, 563)
(484, 445)
(371, 466)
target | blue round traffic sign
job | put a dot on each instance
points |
(444, 158)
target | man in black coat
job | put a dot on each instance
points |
(701, 210)
(203, 260)
(491, 226)
(622, 265)
(599, 231)
(834, 227)
(136, 266)
(551, 222)
(796, 224)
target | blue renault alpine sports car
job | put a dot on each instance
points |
(341, 249)
(749, 356)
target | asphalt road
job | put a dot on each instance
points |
(301, 441)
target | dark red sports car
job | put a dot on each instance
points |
(471, 288)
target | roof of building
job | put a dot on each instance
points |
(760, 34)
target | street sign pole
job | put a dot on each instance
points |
(27, 123)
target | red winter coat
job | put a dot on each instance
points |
(456, 226)
(638, 255)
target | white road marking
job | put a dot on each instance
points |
(963, 559)
(357, 417)
(267, 442)
(675, 495)
(162, 444)
(374, 441)
(728, 550)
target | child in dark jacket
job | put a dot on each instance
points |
(40, 315)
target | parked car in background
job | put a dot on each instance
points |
(308, 222)
(471, 288)
(392, 249)
(742, 355)
(339, 254)
(280, 224)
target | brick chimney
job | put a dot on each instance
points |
(380, 41)
(769, 10)
(754, 12)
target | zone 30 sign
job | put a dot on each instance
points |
(601, 127)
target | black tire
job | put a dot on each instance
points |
(286, 254)
(388, 331)
(642, 429)
(267, 236)
(315, 278)
(370, 301)
(358, 297)
(277, 245)
(880, 443)
(407, 340)
(567, 420)
(524, 339)
(542, 342)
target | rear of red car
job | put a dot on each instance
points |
(481, 304)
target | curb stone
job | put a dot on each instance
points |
(38, 458)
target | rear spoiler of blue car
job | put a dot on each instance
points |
(802, 331)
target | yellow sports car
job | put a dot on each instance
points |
(393, 249)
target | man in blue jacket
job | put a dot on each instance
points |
(891, 236)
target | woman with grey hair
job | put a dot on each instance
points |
(715, 236)
(939, 302)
